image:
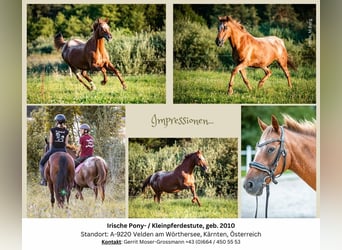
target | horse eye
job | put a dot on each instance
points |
(270, 150)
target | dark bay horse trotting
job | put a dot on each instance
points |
(291, 146)
(59, 173)
(90, 55)
(180, 178)
(92, 173)
(250, 51)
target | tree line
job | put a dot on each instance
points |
(45, 20)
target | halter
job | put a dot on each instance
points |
(270, 170)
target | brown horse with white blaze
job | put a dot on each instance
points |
(180, 178)
(250, 51)
(90, 55)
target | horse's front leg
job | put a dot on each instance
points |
(104, 73)
(117, 73)
(237, 69)
(194, 198)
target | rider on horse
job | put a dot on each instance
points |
(86, 145)
(59, 136)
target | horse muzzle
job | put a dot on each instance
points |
(254, 186)
(204, 168)
(108, 37)
(219, 42)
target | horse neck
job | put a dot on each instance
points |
(236, 36)
(100, 43)
(301, 152)
(187, 165)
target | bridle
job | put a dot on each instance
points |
(271, 170)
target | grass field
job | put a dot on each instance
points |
(39, 206)
(141, 207)
(63, 89)
(211, 87)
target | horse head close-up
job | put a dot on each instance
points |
(291, 146)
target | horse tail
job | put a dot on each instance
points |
(146, 183)
(101, 168)
(59, 41)
(61, 187)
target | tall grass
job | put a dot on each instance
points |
(183, 208)
(63, 89)
(198, 86)
(39, 206)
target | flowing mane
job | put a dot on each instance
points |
(237, 24)
(304, 127)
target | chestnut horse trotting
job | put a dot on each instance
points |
(90, 55)
(92, 173)
(180, 178)
(59, 173)
(250, 51)
(291, 146)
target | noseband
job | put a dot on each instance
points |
(271, 170)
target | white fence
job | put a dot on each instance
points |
(249, 153)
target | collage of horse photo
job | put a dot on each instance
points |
(88, 65)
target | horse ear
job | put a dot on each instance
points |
(262, 125)
(275, 123)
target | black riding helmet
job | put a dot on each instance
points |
(60, 118)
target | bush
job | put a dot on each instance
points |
(194, 46)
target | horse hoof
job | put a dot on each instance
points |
(230, 91)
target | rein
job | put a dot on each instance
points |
(270, 170)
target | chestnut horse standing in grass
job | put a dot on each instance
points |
(92, 173)
(90, 55)
(180, 178)
(250, 51)
(291, 146)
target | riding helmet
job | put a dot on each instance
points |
(60, 118)
(85, 126)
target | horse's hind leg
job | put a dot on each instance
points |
(195, 198)
(52, 196)
(283, 66)
(117, 73)
(78, 76)
(86, 76)
(268, 73)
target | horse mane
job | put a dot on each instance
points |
(71, 147)
(303, 127)
(237, 24)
